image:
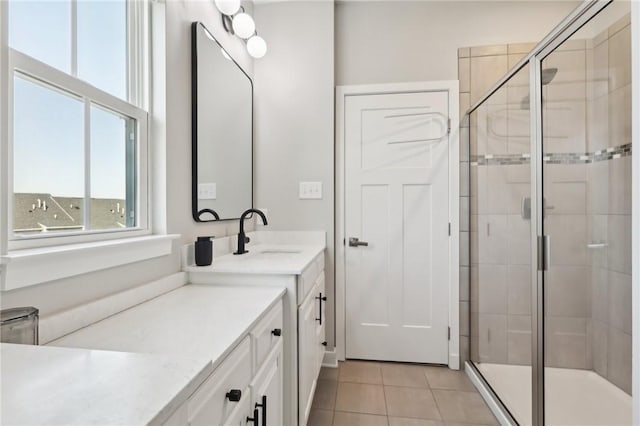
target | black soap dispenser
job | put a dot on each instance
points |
(204, 251)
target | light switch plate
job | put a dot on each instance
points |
(310, 190)
(207, 191)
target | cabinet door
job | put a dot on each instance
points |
(267, 390)
(241, 415)
(307, 354)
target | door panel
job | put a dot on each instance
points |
(307, 354)
(417, 279)
(397, 198)
(267, 389)
(374, 309)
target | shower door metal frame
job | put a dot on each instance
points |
(539, 241)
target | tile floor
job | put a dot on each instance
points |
(391, 394)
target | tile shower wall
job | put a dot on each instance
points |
(608, 201)
(588, 206)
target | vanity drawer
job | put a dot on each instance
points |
(209, 405)
(265, 335)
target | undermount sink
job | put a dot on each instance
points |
(279, 251)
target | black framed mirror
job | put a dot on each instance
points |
(222, 131)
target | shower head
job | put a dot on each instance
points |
(547, 76)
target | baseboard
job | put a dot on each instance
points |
(330, 359)
(487, 394)
(454, 361)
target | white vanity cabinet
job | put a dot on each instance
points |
(311, 343)
(247, 387)
(240, 329)
(304, 317)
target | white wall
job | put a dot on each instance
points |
(171, 164)
(396, 41)
(294, 121)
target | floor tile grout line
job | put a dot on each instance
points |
(426, 377)
(433, 395)
(357, 412)
(335, 399)
(384, 396)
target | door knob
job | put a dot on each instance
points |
(355, 242)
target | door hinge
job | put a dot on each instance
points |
(449, 228)
(448, 126)
(448, 333)
(344, 241)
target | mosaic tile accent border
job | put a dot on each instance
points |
(561, 158)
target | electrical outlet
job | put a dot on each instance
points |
(207, 191)
(310, 190)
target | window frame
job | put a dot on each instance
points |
(14, 62)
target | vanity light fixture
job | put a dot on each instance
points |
(237, 22)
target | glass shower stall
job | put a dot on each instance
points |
(550, 227)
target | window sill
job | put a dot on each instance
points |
(23, 268)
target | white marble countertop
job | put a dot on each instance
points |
(282, 259)
(60, 386)
(194, 320)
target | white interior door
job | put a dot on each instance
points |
(397, 201)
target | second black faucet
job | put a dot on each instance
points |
(242, 238)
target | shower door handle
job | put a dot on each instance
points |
(544, 252)
(525, 208)
(547, 252)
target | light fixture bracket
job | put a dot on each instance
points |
(227, 24)
(227, 21)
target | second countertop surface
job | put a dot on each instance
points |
(195, 320)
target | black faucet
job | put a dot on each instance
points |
(242, 238)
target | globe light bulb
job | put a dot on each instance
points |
(228, 7)
(243, 25)
(256, 46)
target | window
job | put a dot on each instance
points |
(78, 127)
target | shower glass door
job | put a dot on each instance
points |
(500, 238)
(586, 218)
